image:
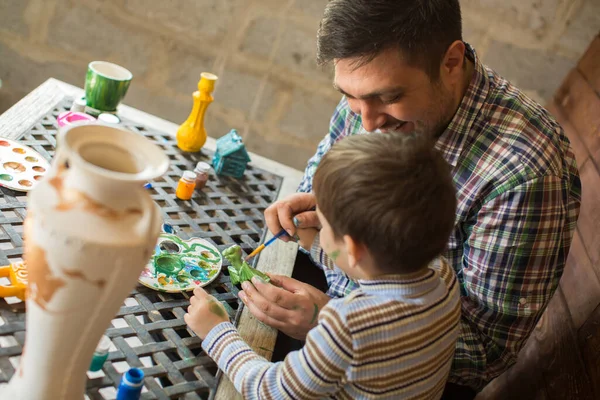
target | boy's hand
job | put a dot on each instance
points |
(204, 313)
(306, 237)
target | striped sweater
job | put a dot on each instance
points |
(392, 338)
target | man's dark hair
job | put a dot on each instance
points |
(421, 29)
(391, 192)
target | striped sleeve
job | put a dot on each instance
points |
(310, 373)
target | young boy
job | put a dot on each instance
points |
(386, 204)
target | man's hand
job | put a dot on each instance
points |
(286, 304)
(204, 313)
(296, 210)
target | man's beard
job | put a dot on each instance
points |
(444, 110)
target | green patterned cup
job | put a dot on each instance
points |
(105, 85)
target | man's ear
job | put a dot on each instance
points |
(356, 251)
(453, 62)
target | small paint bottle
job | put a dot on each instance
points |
(100, 355)
(186, 185)
(131, 384)
(201, 171)
(79, 105)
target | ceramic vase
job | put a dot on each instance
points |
(89, 231)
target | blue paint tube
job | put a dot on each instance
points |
(131, 384)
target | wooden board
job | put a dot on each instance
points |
(589, 343)
(581, 152)
(589, 65)
(596, 155)
(522, 380)
(29, 109)
(581, 106)
(580, 283)
(589, 217)
(549, 366)
(561, 363)
(280, 257)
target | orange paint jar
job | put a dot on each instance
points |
(186, 186)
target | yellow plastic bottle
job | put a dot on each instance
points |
(191, 135)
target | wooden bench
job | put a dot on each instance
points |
(561, 359)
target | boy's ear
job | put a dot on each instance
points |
(356, 251)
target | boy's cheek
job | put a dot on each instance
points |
(324, 244)
(322, 240)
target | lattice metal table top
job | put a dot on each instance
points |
(149, 331)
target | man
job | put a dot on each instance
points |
(402, 65)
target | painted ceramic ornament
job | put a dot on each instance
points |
(191, 135)
(21, 167)
(90, 229)
(239, 270)
(181, 265)
(105, 86)
(231, 157)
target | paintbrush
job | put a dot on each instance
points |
(262, 246)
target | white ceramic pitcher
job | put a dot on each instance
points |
(90, 229)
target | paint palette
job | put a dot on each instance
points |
(179, 265)
(21, 167)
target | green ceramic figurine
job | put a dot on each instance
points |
(239, 270)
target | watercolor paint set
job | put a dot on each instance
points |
(21, 167)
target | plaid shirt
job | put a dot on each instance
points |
(518, 192)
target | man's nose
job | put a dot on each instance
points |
(372, 118)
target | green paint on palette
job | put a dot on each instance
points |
(196, 273)
(6, 177)
(168, 264)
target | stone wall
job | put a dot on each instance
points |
(263, 52)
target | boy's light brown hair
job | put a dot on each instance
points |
(391, 192)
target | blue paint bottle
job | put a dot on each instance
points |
(131, 384)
